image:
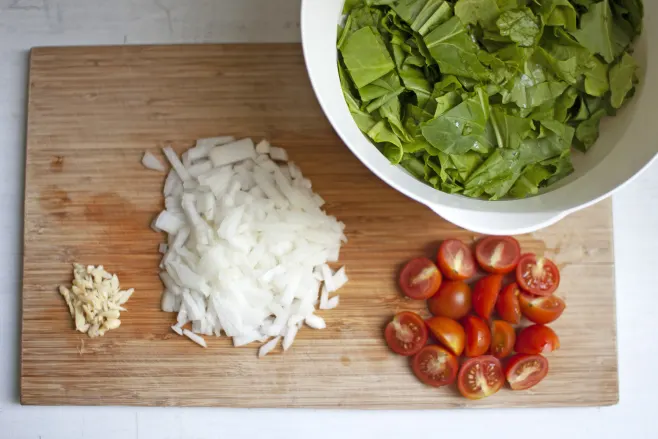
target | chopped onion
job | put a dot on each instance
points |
(152, 162)
(195, 338)
(315, 322)
(176, 164)
(278, 154)
(268, 347)
(177, 330)
(248, 245)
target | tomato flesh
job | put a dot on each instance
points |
(453, 300)
(456, 260)
(525, 371)
(485, 295)
(541, 309)
(480, 377)
(420, 279)
(508, 306)
(538, 276)
(449, 333)
(478, 336)
(498, 254)
(503, 338)
(406, 334)
(435, 366)
(537, 339)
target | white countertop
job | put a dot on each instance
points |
(28, 23)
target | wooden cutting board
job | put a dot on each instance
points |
(94, 111)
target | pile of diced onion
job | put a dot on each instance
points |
(248, 244)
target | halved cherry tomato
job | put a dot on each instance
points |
(478, 336)
(435, 366)
(508, 304)
(420, 279)
(480, 377)
(498, 254)
(485, 295)
(453, 300)
(537, 339)
(539, 276)
(406, 334)
(541, 309)
(449, 333)
(524, 371)
(502, 339)
(456, 260)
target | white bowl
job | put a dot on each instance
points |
(627, 144)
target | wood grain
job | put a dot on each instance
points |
(94, 111)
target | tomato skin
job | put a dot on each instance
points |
(508, 306)
(449, 333)
(455, 260)
(503, 338)
(525, 371)
(406, 334)
(498, 254)
(453, 300)
(485, 295)
(538, 276)
(435, 366)
(420, 279)
(480, 377)
(541, 309)
(537, 339)
(478, 336)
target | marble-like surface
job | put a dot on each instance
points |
(29, 23)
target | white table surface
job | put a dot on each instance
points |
(28, 23)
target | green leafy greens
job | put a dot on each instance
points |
(486, 98)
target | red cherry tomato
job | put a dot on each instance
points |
(538, 276)
(480, 377)
(435, 366)
(420, 279)
(456, 260)
(498, 254)
(541, 309)
(406, 334)
(502, 339)
(449, 333)
(485, 295)
(537, 339)
(453, 300)
(525, 371)
(478, 336)
(508, 306)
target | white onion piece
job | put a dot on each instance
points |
(248, 245)
(195, 338)
(152, 162)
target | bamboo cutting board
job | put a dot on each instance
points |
(94, 111)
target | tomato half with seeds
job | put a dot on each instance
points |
(420, 279)
(541, 309)
(498, 254)
(449, 333)
(435, 366)
(537, 339)
(456, 260)
(480, 377)
(538, 276)
(406, 334)
(478, 336)
(525, 371)
(508, 306)
(453, 300)
(503, 338)
(485, 295)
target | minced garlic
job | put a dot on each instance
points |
(95, 300)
